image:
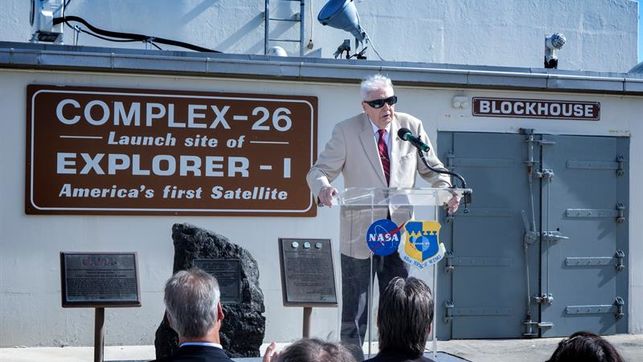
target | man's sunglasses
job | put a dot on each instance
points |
(379, 103)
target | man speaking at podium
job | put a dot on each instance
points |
(368, 152)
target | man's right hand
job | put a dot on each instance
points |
(326, 195)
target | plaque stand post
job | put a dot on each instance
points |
(401, 204)
(99, 334)
(308, 311)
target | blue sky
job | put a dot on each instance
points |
(640, 35)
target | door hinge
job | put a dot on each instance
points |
(544, 298)
(619, 303)
(620, 209)
(620, 170)
(448, 314)
(449, 267)
(620, 257)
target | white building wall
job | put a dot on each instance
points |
(601, 34)
(31, 314)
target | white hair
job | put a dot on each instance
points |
(373, 83)
(191, 300)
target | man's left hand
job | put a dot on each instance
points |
(452, 205)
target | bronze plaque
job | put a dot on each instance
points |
(139, 151)
(307, 274)
(536, 108)
(99, 280)
(228, 274)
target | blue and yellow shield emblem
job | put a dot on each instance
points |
(422, 246)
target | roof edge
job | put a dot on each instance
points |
(109, 60)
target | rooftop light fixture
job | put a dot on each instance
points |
(342, 14)
(553, 43)
(42, 17)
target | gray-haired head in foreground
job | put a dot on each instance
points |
(585, 347)
(191, 299)
(315, 350)
(404, 316)
(373, 83)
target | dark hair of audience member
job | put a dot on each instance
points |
(585, 347)
(315, 350)
(404, 316)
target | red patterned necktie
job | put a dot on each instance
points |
(383, 151)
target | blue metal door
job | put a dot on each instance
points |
(541, 250)
(483, 285)
(584, 235)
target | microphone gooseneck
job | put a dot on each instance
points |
(407, 135)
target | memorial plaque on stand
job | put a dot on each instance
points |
(228, 274)
(99, 280)
(307, 274)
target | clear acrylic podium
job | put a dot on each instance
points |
(401, 205)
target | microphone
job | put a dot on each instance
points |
(407, 135)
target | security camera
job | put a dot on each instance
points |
(553, 43)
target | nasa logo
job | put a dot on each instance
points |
(383, 237)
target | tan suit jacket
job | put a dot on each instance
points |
(352, 151)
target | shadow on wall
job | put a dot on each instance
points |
(197, 10)
(245, 31)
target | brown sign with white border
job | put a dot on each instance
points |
(139, 151)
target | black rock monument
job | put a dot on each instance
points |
(243, 326)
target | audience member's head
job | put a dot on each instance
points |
(192, 304)
(315, 350)
(585, 347)
(404, 316)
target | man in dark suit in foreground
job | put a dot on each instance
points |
(404, 319)
(193, 308)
